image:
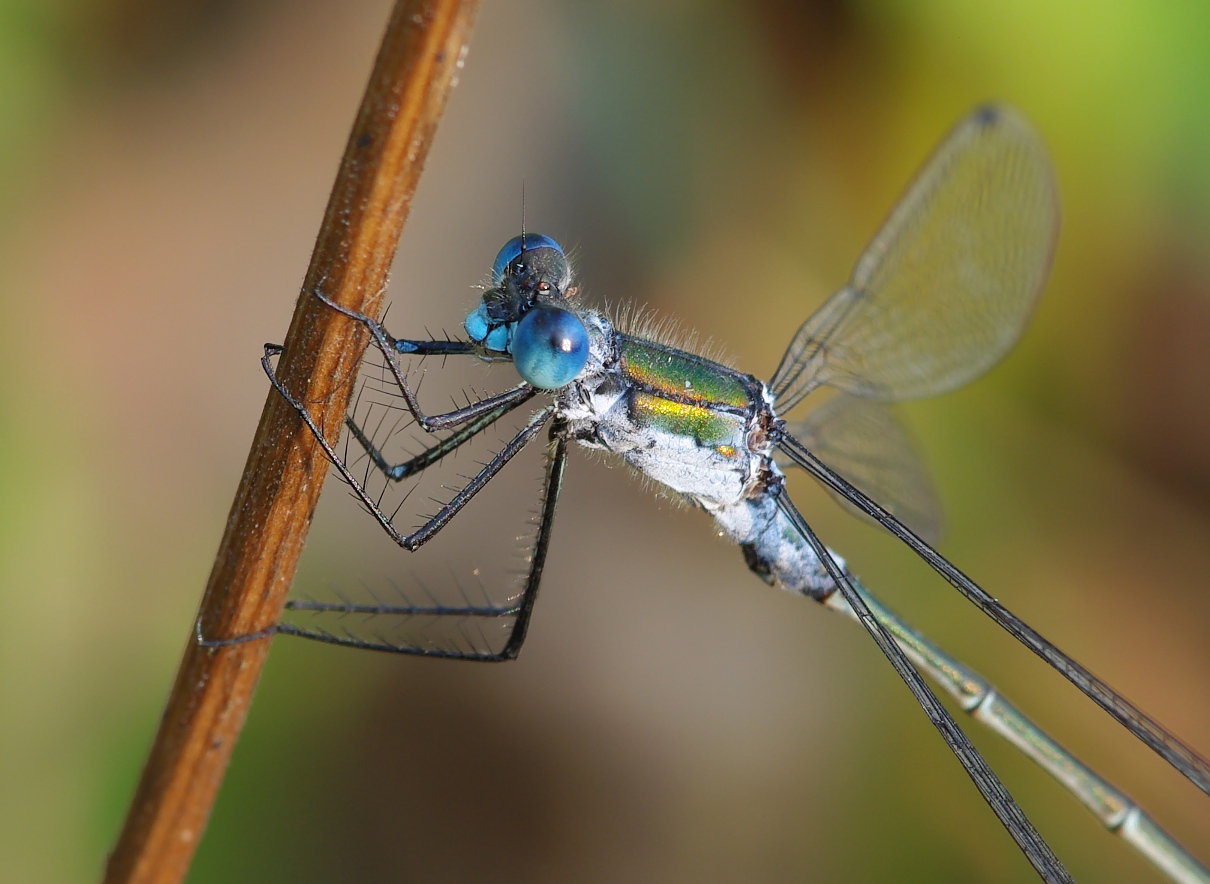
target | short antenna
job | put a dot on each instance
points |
(522, 214)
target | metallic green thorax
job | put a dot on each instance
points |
(686, 395)
(684, 377)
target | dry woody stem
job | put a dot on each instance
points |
(415, 69)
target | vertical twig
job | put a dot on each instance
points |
(415, 69)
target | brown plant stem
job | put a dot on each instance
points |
(416, 66)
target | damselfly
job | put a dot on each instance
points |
(941, 294)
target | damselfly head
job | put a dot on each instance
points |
(533, 264)
(523, 314)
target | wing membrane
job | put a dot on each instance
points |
(946, 286)
(866, 443)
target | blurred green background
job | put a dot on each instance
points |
(163, 171)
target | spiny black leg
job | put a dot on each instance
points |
(429, 456)
(429, 529)
(382, 643)
(419, 348)
(555, 464)
(1036, 850)
(389, 346)
(432, 422)
(234, 640)
(431, 348)
(378, 609)
(521, 609)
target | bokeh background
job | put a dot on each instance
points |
(163, 171)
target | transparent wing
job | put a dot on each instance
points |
(946, 286)
(866, 443)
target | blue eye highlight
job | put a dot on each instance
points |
(512, 250)
(550, 347)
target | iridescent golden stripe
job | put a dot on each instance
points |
(706, 426)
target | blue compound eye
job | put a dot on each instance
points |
(512, 250)
(550, 347)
